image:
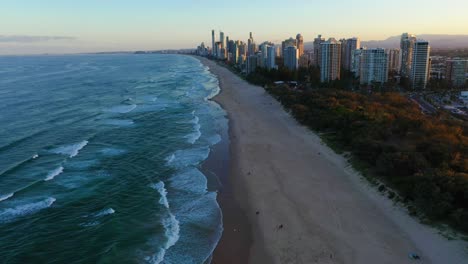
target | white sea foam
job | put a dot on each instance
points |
(10, 214)
(170, 158)
(171, 226)
(6, 196)
(118, 122)
(104, 212)
(122, 109)
(71, 150)
(54, 173)
(193, 137)
(35, 156)
(163, 192)
(188, 157)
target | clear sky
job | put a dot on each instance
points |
(108, 25)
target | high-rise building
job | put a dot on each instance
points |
(419, 74)
(287, 43)
(316, 55)
(271, 57)
(373, 66)
(242, 49)
(456, 72)
(291, 57)
(406, 46)
(251, 64)
(394, 60)
(300, 44)
(252, 47)
(356, 62)
(330, 60)
(347, 48)
(213, 43)
(222, 39)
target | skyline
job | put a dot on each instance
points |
(55, 26)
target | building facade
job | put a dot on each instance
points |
(394, 60)
(291, 58)
(419, 74)
(373, 66)
(406, 46)
(316, 53)
(300, 44)
(330, 60)
(455, 72)
(347, 48)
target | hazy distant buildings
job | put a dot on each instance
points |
(394, 60)
(316, 53)
(348, 46)
(406, 47)
(330, 60)
(456, 72)
(419, 73)
(373, 66)
(291, 57)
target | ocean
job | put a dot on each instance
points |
(100, 159)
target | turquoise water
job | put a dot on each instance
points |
(100, 157)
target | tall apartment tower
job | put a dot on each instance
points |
(330, 60)
(271, 57)
(291, 57)
(316, 54)
(406, 46)
(213, 43)
(419, 74)
(455, 72)
(349, 46)
(373, 66)
(222, 39)
(252, 48)
(300, 44)
(394, 60)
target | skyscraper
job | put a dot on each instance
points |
(455, 72)
(213, 43)
(350, 45)
(419, 74)
(252, 48)
(394, 60)
(291, 57)
(222, 39)
(300, 44)
(317, 53)
(373, 66)
(271, 57)
(330, 60)
(406, 46)
(356, 62)
(287, 43)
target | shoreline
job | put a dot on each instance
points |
(313, 207)
(234, 244)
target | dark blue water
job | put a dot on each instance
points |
(100, 156)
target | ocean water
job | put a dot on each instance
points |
(100, 159)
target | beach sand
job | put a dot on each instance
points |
(303, 202)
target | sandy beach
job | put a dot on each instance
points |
(303, 202)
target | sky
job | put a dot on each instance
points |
(72, 26)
